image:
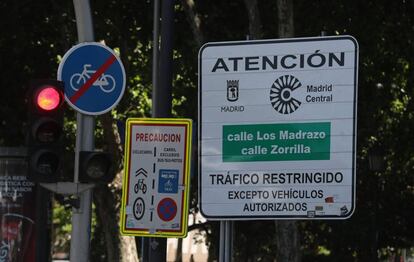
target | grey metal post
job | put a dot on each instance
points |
(226, 241)
(229, 241)
(162, 98)
(155, 51)
(221, 240)
(81, 218)
(162, 93)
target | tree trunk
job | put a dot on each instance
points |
(194, 20)
(287, 233)
(285, 18)
(107, 199)
(255, 23)
(287, 241)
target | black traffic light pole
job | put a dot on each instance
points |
(155, 50)
(162, 99)
(162, 92)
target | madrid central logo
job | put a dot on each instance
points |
(281, 94)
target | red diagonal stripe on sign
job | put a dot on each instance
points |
(92, 80)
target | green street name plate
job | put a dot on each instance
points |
(276, 142)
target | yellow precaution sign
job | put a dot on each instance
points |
(156, 180)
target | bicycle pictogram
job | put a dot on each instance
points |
(140, 186)
(105, 82)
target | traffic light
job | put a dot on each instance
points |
(44, 137)
(95, 167)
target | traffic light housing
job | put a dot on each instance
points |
(44, 134)
(95, 167)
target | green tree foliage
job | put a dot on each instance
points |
(29, 46)
(36, 34)
(384, 31)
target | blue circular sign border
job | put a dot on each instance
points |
(70, 52)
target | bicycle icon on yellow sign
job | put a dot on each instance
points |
(105, 82)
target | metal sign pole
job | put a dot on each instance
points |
(162, 98)
(226, 240)
(155, 52)
(222, 240)
(81, 217)
(229, 241)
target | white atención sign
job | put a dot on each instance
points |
(278, 128)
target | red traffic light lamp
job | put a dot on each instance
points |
(48, 98)
(44, 137)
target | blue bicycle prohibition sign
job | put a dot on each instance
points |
(93, 76)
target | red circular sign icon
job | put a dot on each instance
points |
(167, 209)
